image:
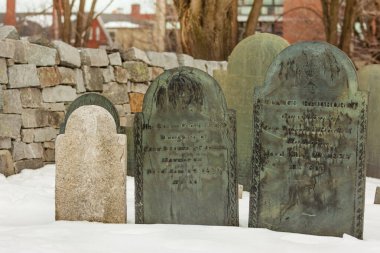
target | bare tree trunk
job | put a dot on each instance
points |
(253, 18)
(234, 24)
(67, 22)
(57, 4)
(90, 17)
(330, 20)
(348, 25)
(160, 25)
(80, 24)
(206, 27)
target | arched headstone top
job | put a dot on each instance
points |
(244, 58)
(92, 99)
(316, 69)
(84, 119)
(368, 76)
(183, 91)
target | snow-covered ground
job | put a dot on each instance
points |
(27, 225)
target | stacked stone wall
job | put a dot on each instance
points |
(39, 81)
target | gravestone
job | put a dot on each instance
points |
(185, 152)
(91, 163)
(246, 70)
(369, 78)
(377, 196)
(309, 144)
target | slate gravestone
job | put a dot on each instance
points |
(246, 70)
(369, 81)
(91, 164)
(309, 144)
(377, 196)
(185, 152)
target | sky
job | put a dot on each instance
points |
(147, 6)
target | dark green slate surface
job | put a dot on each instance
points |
(185, 152)
(309, 144)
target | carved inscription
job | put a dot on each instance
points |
(184, 158)
(185, 142)
(309, 139)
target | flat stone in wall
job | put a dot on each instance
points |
(68, 76)
(5, 143)
(135, 54)
(60, 93)
(27, 135)
(12, 101)
(121, 74)
(8, 32)
(185, 60)
(45, 134)
(10, 125)
(79, 81)
(154, 72)
(49, 155)
(23, 75)
(32, 118)
(49, 76)
(68, 55)
(7, 49)
(23, 150)
(1, 99)
(42, 56)
(95, 57)
(115, 59)
(108, 74)
(49, 145)
(200, 64)
(39, 134)
(28, 164)
(6, 163)
(167, 60)
(138, 87)
(55, 118)
(21, 48)
(93, 78)
(10, 62)
(55, 107)
(136, 101)
(3, 71)
(138, 71)
(117, 93)
(31, 97)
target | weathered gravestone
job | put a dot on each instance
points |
(377, 195)
(309, 144)
(246, 70)
(185, 152)
(369, 81)
(91, 163)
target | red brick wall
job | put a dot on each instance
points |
(302, 20)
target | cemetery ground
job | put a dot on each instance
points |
(27, 224)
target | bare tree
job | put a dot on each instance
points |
(253, 18)
(207, 24)
(81, 32)
(207, 27)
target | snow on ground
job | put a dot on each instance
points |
(27, 225)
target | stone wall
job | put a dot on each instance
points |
(39, 81)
